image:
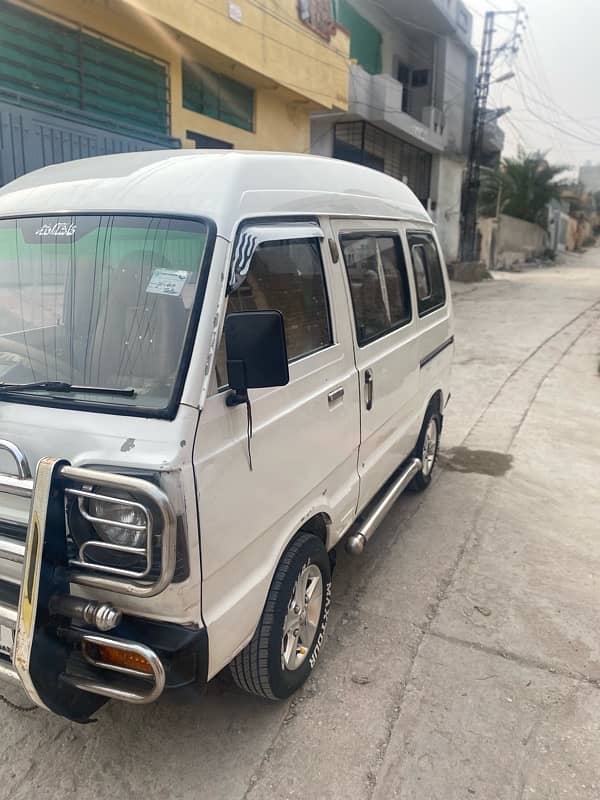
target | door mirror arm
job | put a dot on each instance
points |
(238, 382)
(236, 398)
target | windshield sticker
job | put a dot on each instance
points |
(168, 281)
(58, 229)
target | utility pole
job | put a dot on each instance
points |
(468, 244)
(468, 249)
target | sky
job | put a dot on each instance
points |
(555, 94)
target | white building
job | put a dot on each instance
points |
(589, 176)
(411, 95)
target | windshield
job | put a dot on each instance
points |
(98, 300)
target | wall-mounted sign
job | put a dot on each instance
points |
(419, 132)
(235, 12)
(318, 15)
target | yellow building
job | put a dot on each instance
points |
(80, 77)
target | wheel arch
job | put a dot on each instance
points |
(436, 401)
(244, 603)
(318, 525)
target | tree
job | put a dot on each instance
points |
(526, 185)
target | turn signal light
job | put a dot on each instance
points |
(105, 654)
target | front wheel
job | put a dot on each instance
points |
(289, 636)
(427, 450)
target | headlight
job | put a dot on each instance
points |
(122, 530)
(124, 515)
(112, 518)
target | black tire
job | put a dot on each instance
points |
(259, 667)
(423, 478)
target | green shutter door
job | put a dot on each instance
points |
(51, 65)
(124, 85)
(38, 57)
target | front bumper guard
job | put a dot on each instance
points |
(47, 657)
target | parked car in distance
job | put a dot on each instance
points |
(213, 368)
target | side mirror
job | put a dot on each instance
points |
(256, 352)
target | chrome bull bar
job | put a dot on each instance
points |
(28, 597)
(23, 569)
(148, 687)
(21, 463)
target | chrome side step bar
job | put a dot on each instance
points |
(356, 541)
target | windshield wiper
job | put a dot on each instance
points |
(61, 386)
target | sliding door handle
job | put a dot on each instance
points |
(335, 395)
(369, 389)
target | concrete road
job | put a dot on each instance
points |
(463, 656)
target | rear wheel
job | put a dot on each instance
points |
(289, 636)
(427, 450)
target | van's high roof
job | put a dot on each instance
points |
(223, 185)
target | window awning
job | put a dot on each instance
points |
(251, 237)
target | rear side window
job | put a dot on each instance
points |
(427, 268)
(285, 276)
(378, 283)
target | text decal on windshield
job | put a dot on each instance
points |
(58, 229)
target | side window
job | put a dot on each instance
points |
(420, 268)
(427, 268)
(285, 276)
(378, 283)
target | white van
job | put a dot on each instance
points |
(213, 367)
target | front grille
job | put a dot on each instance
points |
(13, 530)
(15, 498)
(9, 604)
(11, 566)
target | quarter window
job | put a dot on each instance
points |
(286, 276)
(378, 283)
(420, 268)
(427, 268)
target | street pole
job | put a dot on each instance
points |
(499, 200)
(468, 245)
(468, 242)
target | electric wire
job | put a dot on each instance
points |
(547, 101)
(552, 124)
(541, 85)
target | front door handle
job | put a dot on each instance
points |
(369, 389)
